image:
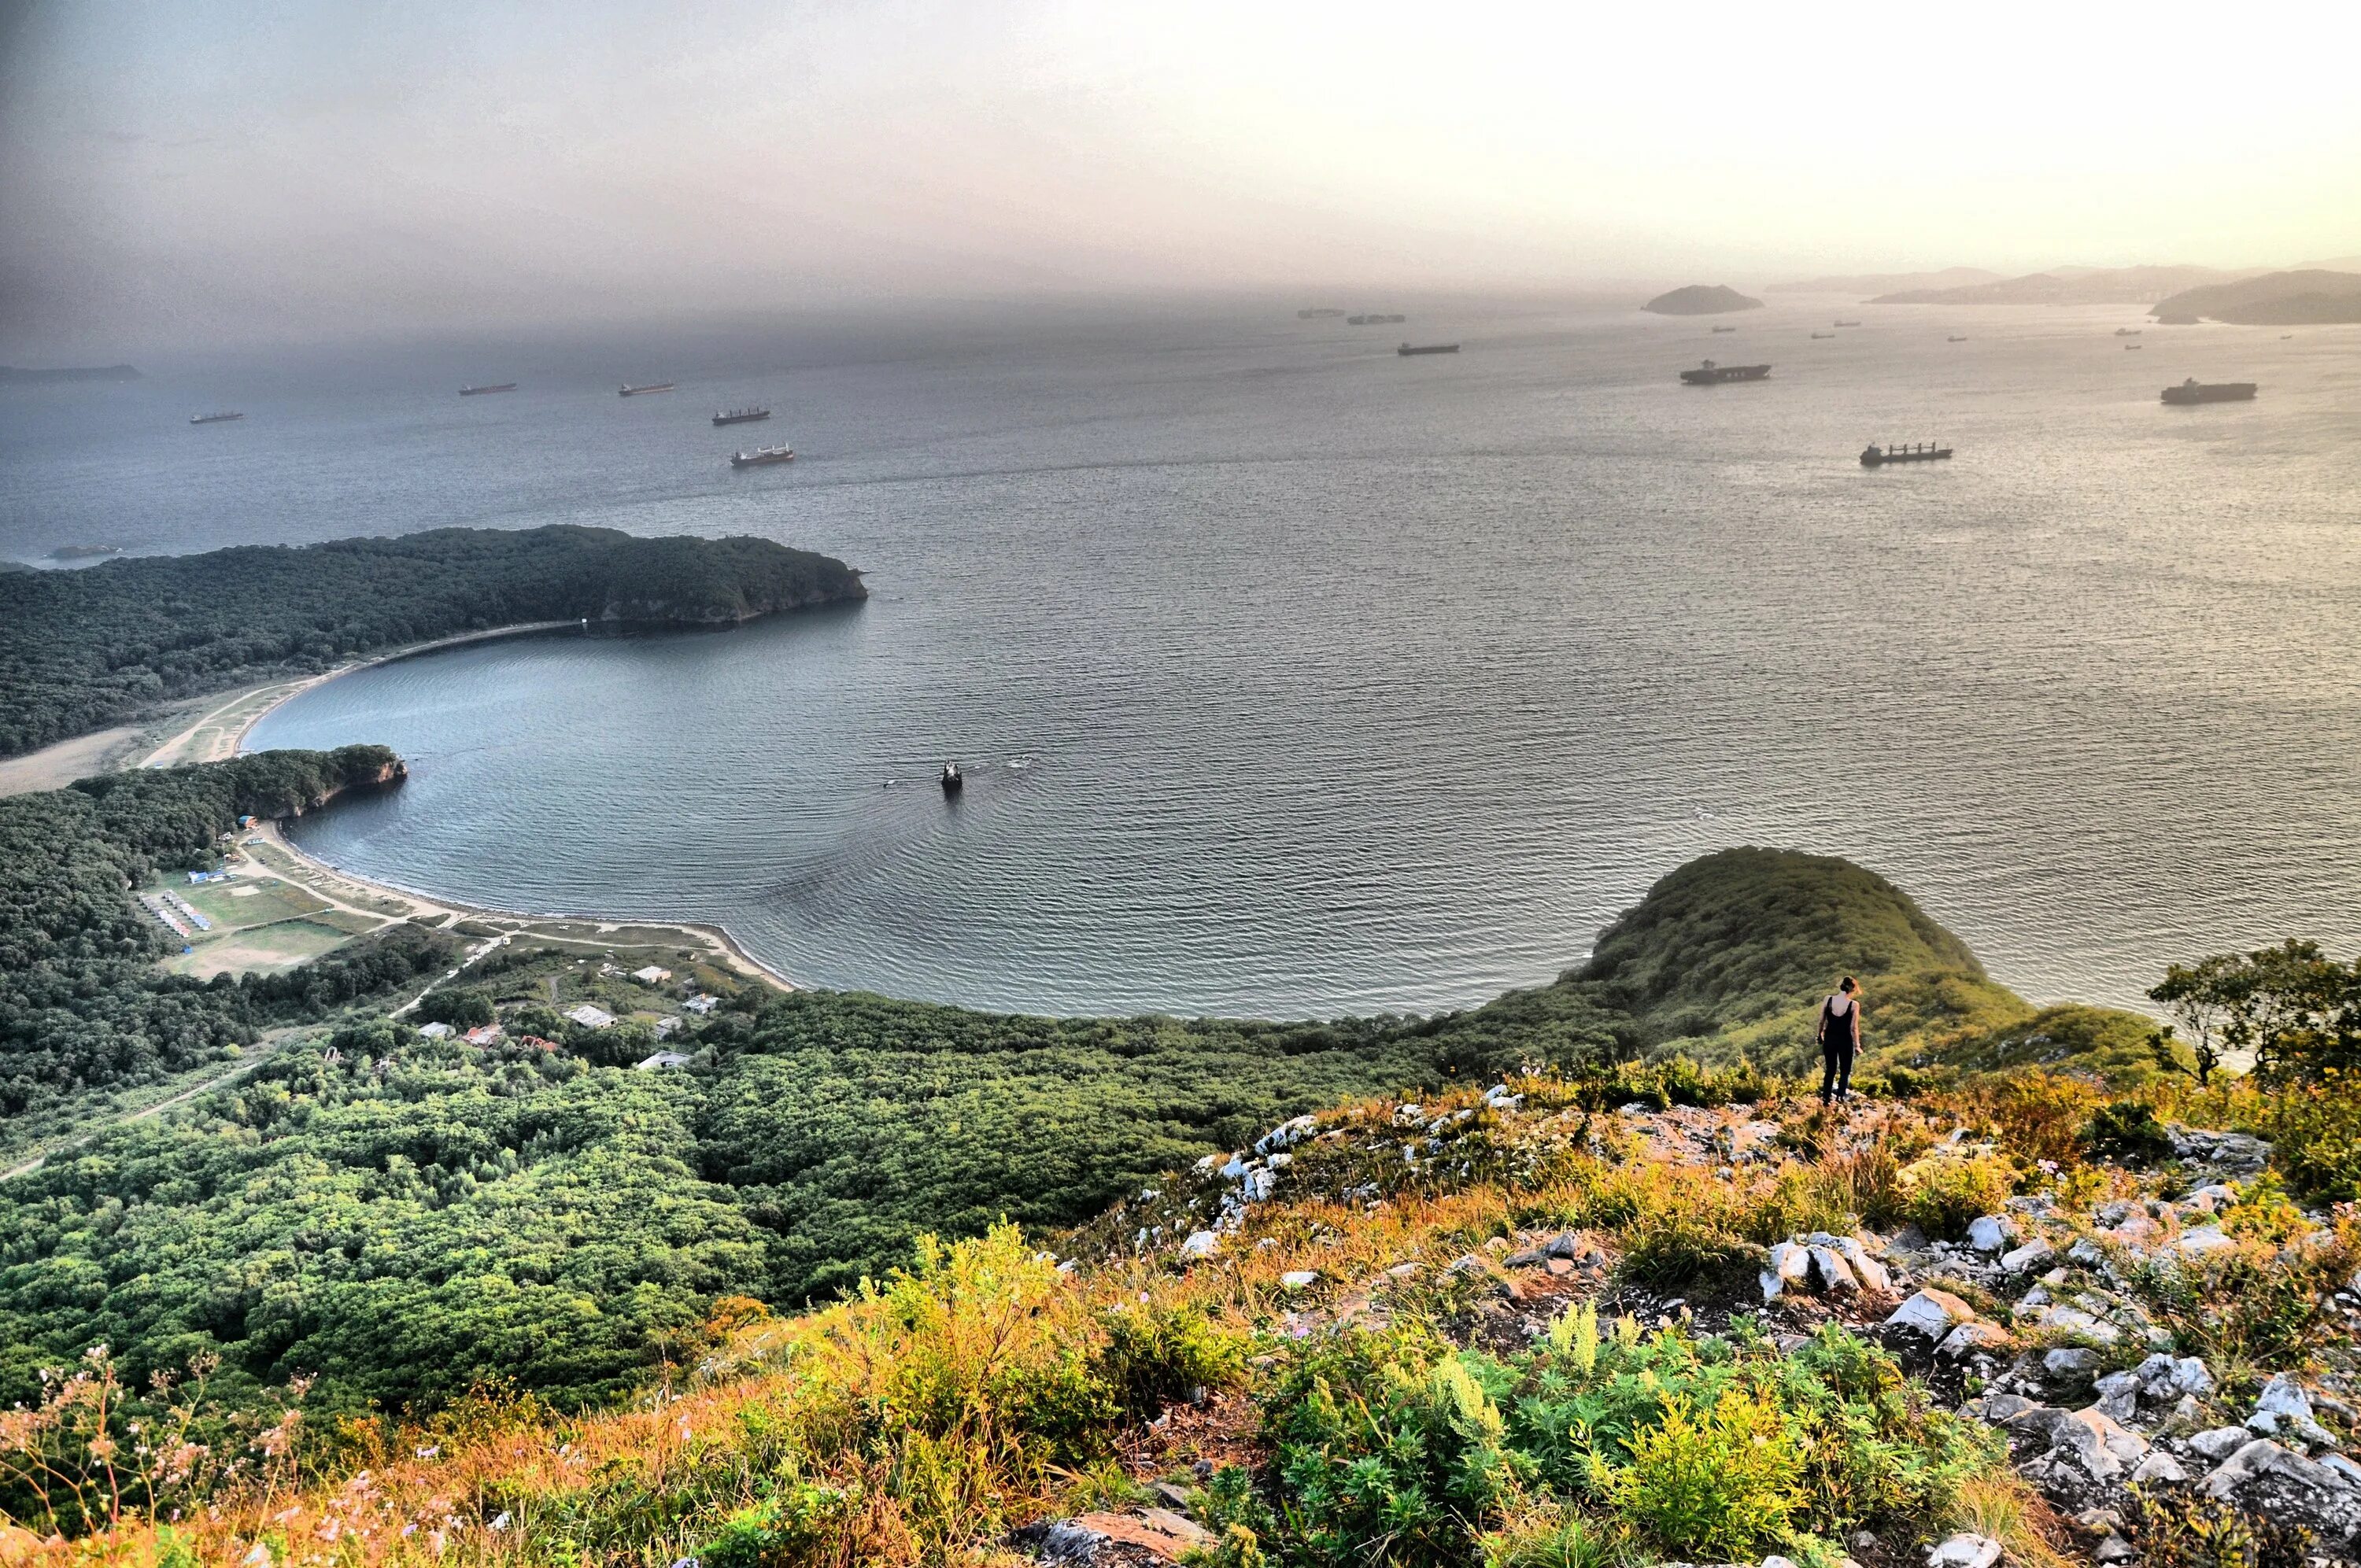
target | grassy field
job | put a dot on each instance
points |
(248, 901)
(280, 946)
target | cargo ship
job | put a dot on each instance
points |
(2130, 345)
(762, 456)
(1313, 315)
(628, 391)
(1725, 329)
(1955, 340)
(1818, 336)
(212, 419)
(1845, 323)
(741, 416)
(1712, 375)
(1374, 320)
(2195, 392)
(1407, 349)
(1924, 451)
(479, 392)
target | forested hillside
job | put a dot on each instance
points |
(405, 1218)
(82, 1004)
(81, 650)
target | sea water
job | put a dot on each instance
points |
(1294, 677)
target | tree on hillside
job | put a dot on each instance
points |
(2297, 1010)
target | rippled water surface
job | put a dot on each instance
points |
(1301, 678)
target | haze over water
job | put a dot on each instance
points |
(1307, 679)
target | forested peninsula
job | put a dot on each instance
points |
(84, 649)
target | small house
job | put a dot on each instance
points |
(436, 1031)
(485, 1034)
(651, 975)
(663, 1061)
(700, 1003)
(665, 1027)
(591, 1017)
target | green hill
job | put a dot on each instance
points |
(1727, 960)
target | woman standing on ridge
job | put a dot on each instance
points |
(1839, 1039)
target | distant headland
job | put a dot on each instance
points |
(95, 647)
(10, 374)
(2314, 297)
(1701, 300)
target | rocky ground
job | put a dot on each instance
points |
(2063, 1319)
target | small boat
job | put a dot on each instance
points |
(1374, 320)
(212, 419)
(2127, 332)
(1955, 340)
(2285, 336)
(1725, 329)
(628, 391)
(1821, 335)
(1848, 324)
(2129, 346)
(762, 456)
(741, 416)
(1407, 349)
(479, 392)
(1874, 456)
(953, 780)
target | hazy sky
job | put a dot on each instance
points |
(197, 170)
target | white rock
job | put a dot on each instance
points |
(2203, 1240)
(1832, 1276)
(2028, 1257)
(2220, 1442)
(2283, 1396)
(1201, 1243)
(2263, 1457)
(1991, 1233)
(1298, 1278)
(1286, 1134)
(1970, 1338)
(1866, 1269)
(1235, 1167)
(1934, 1313)
(2115, 1548)
(2159, 1466)
(1403, 1271)
(1790, 1269)
(1965, 1551)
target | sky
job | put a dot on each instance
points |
(202, 172)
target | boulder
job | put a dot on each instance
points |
(1934, 1313)
(1789, 1269)
(1977, 1338)
(2032, 1255)
(2220, 1442)
(2201, 1240)
(1298, 1279)
(1991, 1233)
(2118, 1394)
(1866, 1269)
(2264, 1479)
(1965, 1551)
(2069, 1363)
(1830, 1275)
(1201, 1243)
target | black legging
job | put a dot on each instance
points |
(1836, 1063)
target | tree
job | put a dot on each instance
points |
(2297, 1011)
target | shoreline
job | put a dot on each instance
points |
(579, 931)
(716, 939)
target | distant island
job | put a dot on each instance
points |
(90, 648)
(1888, 282)
(1701, 300)
(2314, 297)
(2069, 286)
(10, 374)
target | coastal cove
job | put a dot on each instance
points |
(1301, 680)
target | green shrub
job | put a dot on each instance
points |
(2315, 1133)
(1156, 1354)
(1714, 1484)
(803, 1524)
(1949, 1191)
(2126, 1130)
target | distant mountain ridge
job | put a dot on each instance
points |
(1701, 300)
(2100, 286)
(1889, 282)
(10, 374)
(2312, 296)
